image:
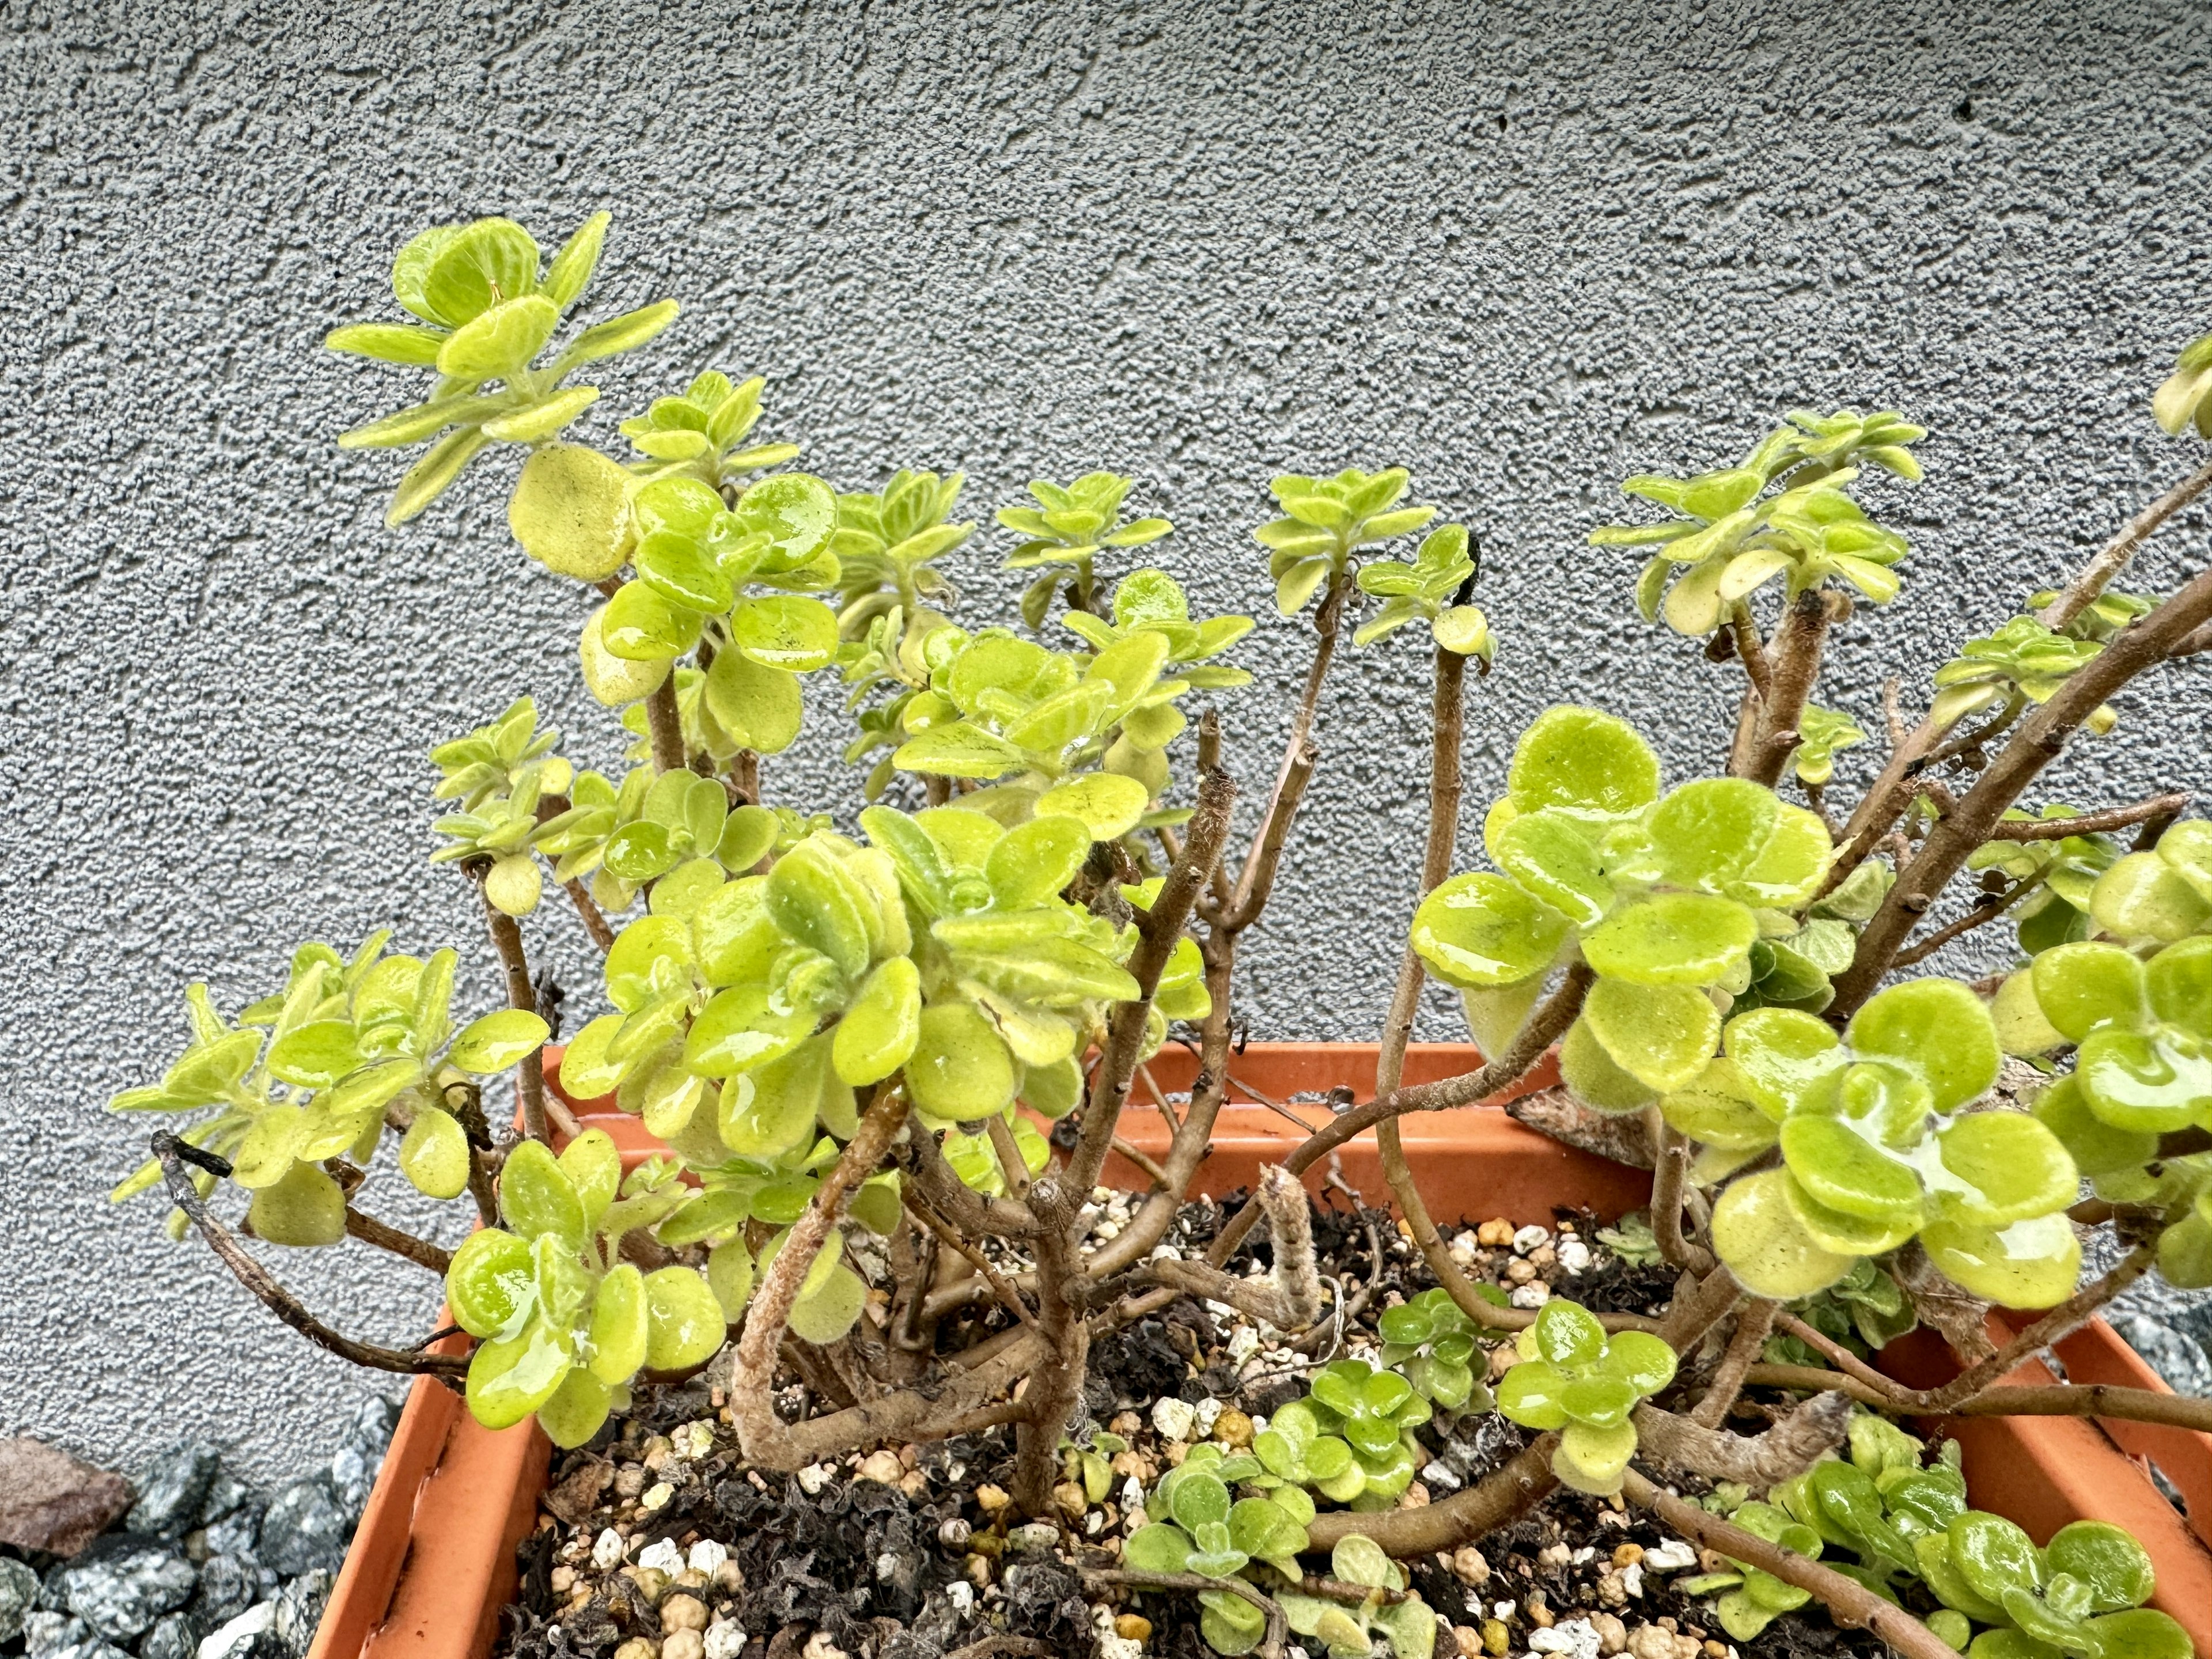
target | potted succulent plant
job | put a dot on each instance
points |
(870, 1065)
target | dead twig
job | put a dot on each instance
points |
(173, 1154)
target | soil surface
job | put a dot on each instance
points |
(655, 1541)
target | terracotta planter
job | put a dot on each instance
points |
(434, 1560)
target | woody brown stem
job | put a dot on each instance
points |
(763, 1439)
(1848, 1601)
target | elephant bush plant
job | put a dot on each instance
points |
(849, 1021)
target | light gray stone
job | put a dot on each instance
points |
(174, 1488)
(246, 1637)
(300, 1610)
(238, 1534)
(123, 1583)
(1522, 249)
(175, 1636)
(46, 1633)
(228, 1587)
(2181, 1359)
(19, 1594)
(304, 1528)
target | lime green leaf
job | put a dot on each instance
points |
(1106, 804)
(1479, 929)
(1661, 1036)
(510, 1378)
(2029, 1264)
(304, 1208)
(1938, 1028)
(1550, 852)
(684, 1321)
(435, 1154)
(498, 1041)
(882, 1027)
(1673, 939)
(490, 1283)
(761, 707)
(2011, 1167)
(960, 1070)
(1583, 761)
(619, 334)
(1764, 1245)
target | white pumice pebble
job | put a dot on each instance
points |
(1172, 1418)
(1527, 1239)
(607, 1549)
(706, 1556)
(1530, 1296)
(1574, 1256)
(662, 1556)
(813, 1477)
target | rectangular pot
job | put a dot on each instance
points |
(433, 1562)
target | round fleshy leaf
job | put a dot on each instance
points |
(1199, 1500)
(743, 1027)
(1584, 761)
(613, 681)
(2179, 980)
(1673, 939)
(681, 570)
(786, 630)
(1591, 1459)
(490, 1282)
(760, 707)
(1705, 832)
(619, 1325)
(2091, 984)
(1159, 1548)
(1106, 804)
(2096, 1147)
(1482, 929)
(641, 625)
(1551, 855)
(2107, 1560)
(2010, 1167)
(1533, 1394)
(570, 510)
(1846, 1171)
(826, 1312)
(818, 904)
(683, 1321)
(1640, 1359)
(536, 1196)
(2150, 1085)
(2022, 1027)
(2184, 1252)
(1845, 1235)
(510, 1379)
(796, 512)
(730, 1276)
(1568, 1335)
(1599, 1401)
(880, 1028)
(960, 1070)
(2030, 1264)
(1790, 868)
(1993, 1555)
(435, 1154)
(1383, 1393)
(1661, 1034)
(2142, 898)
(1936, 1029)
(1780, 1055)
(498, 1041)
(1758, 1236)
(1594, 1079)
(1033, 861)
(576, 1410)
(1715, 1108)
(2139, 1633)
(303, 1208)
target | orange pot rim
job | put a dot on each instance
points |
(432, 1561)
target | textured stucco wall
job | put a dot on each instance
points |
(1520, 248)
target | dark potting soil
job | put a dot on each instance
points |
(917, 1554)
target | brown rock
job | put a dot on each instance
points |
(1612, 1634)
(1071, 1499)
(1627, 1555)
(1470, 1566)
(579, 1495)
(1467, 1642)
(1493, 1234)
(1233, 1428)
(50, 1501)
(1133, 1627)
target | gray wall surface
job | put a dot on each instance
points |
(1522, 248)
